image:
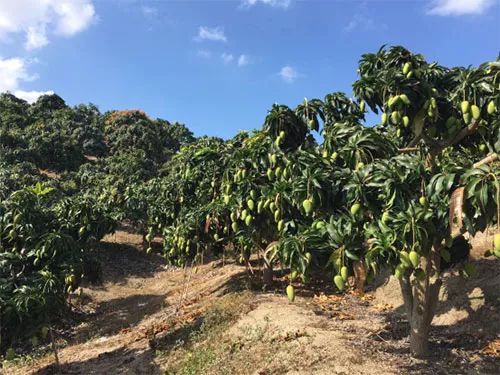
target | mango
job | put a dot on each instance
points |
(406, 68)
(251, 204)
(307, 205)
(339, 282)
(290, 292)
(465, 106)
(414, 258)
(492, 108)
(344, 273)
(355, 209)
(249, 220)
(406, 121)
(476, 112)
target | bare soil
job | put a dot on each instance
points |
(149, 318)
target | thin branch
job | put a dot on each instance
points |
(408, 150)
(487, 160)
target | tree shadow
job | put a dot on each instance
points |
(119, 361)
(120, 261)
(117, 314)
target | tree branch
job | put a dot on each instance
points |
(408, 150)
(487, 160)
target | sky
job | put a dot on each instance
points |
(216, 65)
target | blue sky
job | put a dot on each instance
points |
(218, 66)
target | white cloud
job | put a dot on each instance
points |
(33, 18)
(204, 53)
(149, 11)
(459, 7)
(273, 3)
(36, 37)
(361, 21)
(31, 96)
(226, 57)
(288, 74)
(13, 71)
(211, 33)
(243, 60)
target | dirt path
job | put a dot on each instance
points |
(147, 318)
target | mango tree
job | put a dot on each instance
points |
(443, 120)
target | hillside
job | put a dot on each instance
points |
(148, 318)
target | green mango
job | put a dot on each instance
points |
(277, 172)
(251, 204)
(414, 258)
(492, 108)
(404, 257)
(399, 271)
(465, 106)
(281, 225)
(260, 206)
(423, 201)
(339, 282)
(234, 227)
(253, 194)
(249, 220)
(273, 159)
(496, 243)
(476, 112)
(466, 117)
(355, 209)
(393, 100)
(406, 121)
(395, 117)
(290, 292)
(307, 205)
(404, 98)
(384, 118)
(406, 68)
(272, 206)
(344, 273)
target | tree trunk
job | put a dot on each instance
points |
(420, 300)
(359, 269)
(267, 275)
